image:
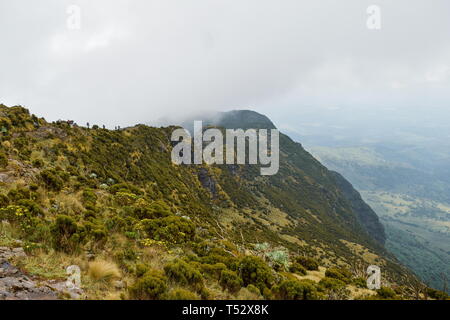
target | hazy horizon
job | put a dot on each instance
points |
(140, 61)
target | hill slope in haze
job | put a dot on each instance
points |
(141, 227)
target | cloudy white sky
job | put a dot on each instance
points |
(139, 60)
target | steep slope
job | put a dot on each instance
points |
(71, 195)
(412, 202)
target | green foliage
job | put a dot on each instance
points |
(279, 258)
(341, 274)
(20, 193)
(172, 229)
(182, 294)
(360, 283)
(89, 197)
(157, 209)
(296, 290)
(436, 294)
(3, 160)
(52, 180)
(33, 208)
(213, 270)
(255, 271)
(251, 288)
(386, 293)
(151, 286)
(297, 268)
(230, 281)
(308, 263)
(66, 234)
(4, 201)
(331, 283)
(183, 273)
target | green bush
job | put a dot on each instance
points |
(33, 208)
(251, 288)
(172, 229)
(331, 283)
(89, 197)
(184, 274)
(154, 210)
(340, 274)
(182, 294)
(21, 193)
(52, 180)
(360, 282)
(213, 270)
(141, 269)
(386, 293)
(436, 294)
(230, 280)
(66, 234)
(3, 161)
(255, 271)
(4, 201)
(296, 290)
(308, 263)
(37, 163)
(151, 286)
(297, 268)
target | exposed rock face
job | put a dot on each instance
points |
(15, 285)
(207, 182)
(366, 216)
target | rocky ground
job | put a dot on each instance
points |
(16, 285)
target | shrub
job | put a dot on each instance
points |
(360, 282)
(278, 258)
(331, 283)
(254, 290)
(52, 180)
(141, 269)
(182, 294)
(3, 161)
(297, 268)
(339, 273)
(184, 274)
(386, 293)
(255, 271)
(171, 229)
(89, 197)
(296, 290)
(213, 270)
(37, 163)
(101, 270)
(436, 294)
(21, 193)
(308, 263)
(230, 280)
(66, 234)
(149, 287)
(157, 209)
(4, 201)
(33, 208)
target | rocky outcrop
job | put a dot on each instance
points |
(16, 285)
(366, 216)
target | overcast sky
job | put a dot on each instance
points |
(136, 61)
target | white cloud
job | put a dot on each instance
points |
(137, 61)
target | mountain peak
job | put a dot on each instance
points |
(244, 119)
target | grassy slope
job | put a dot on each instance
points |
(73, 194)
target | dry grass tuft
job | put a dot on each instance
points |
(102, 270)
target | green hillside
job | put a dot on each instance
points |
(140, 227)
